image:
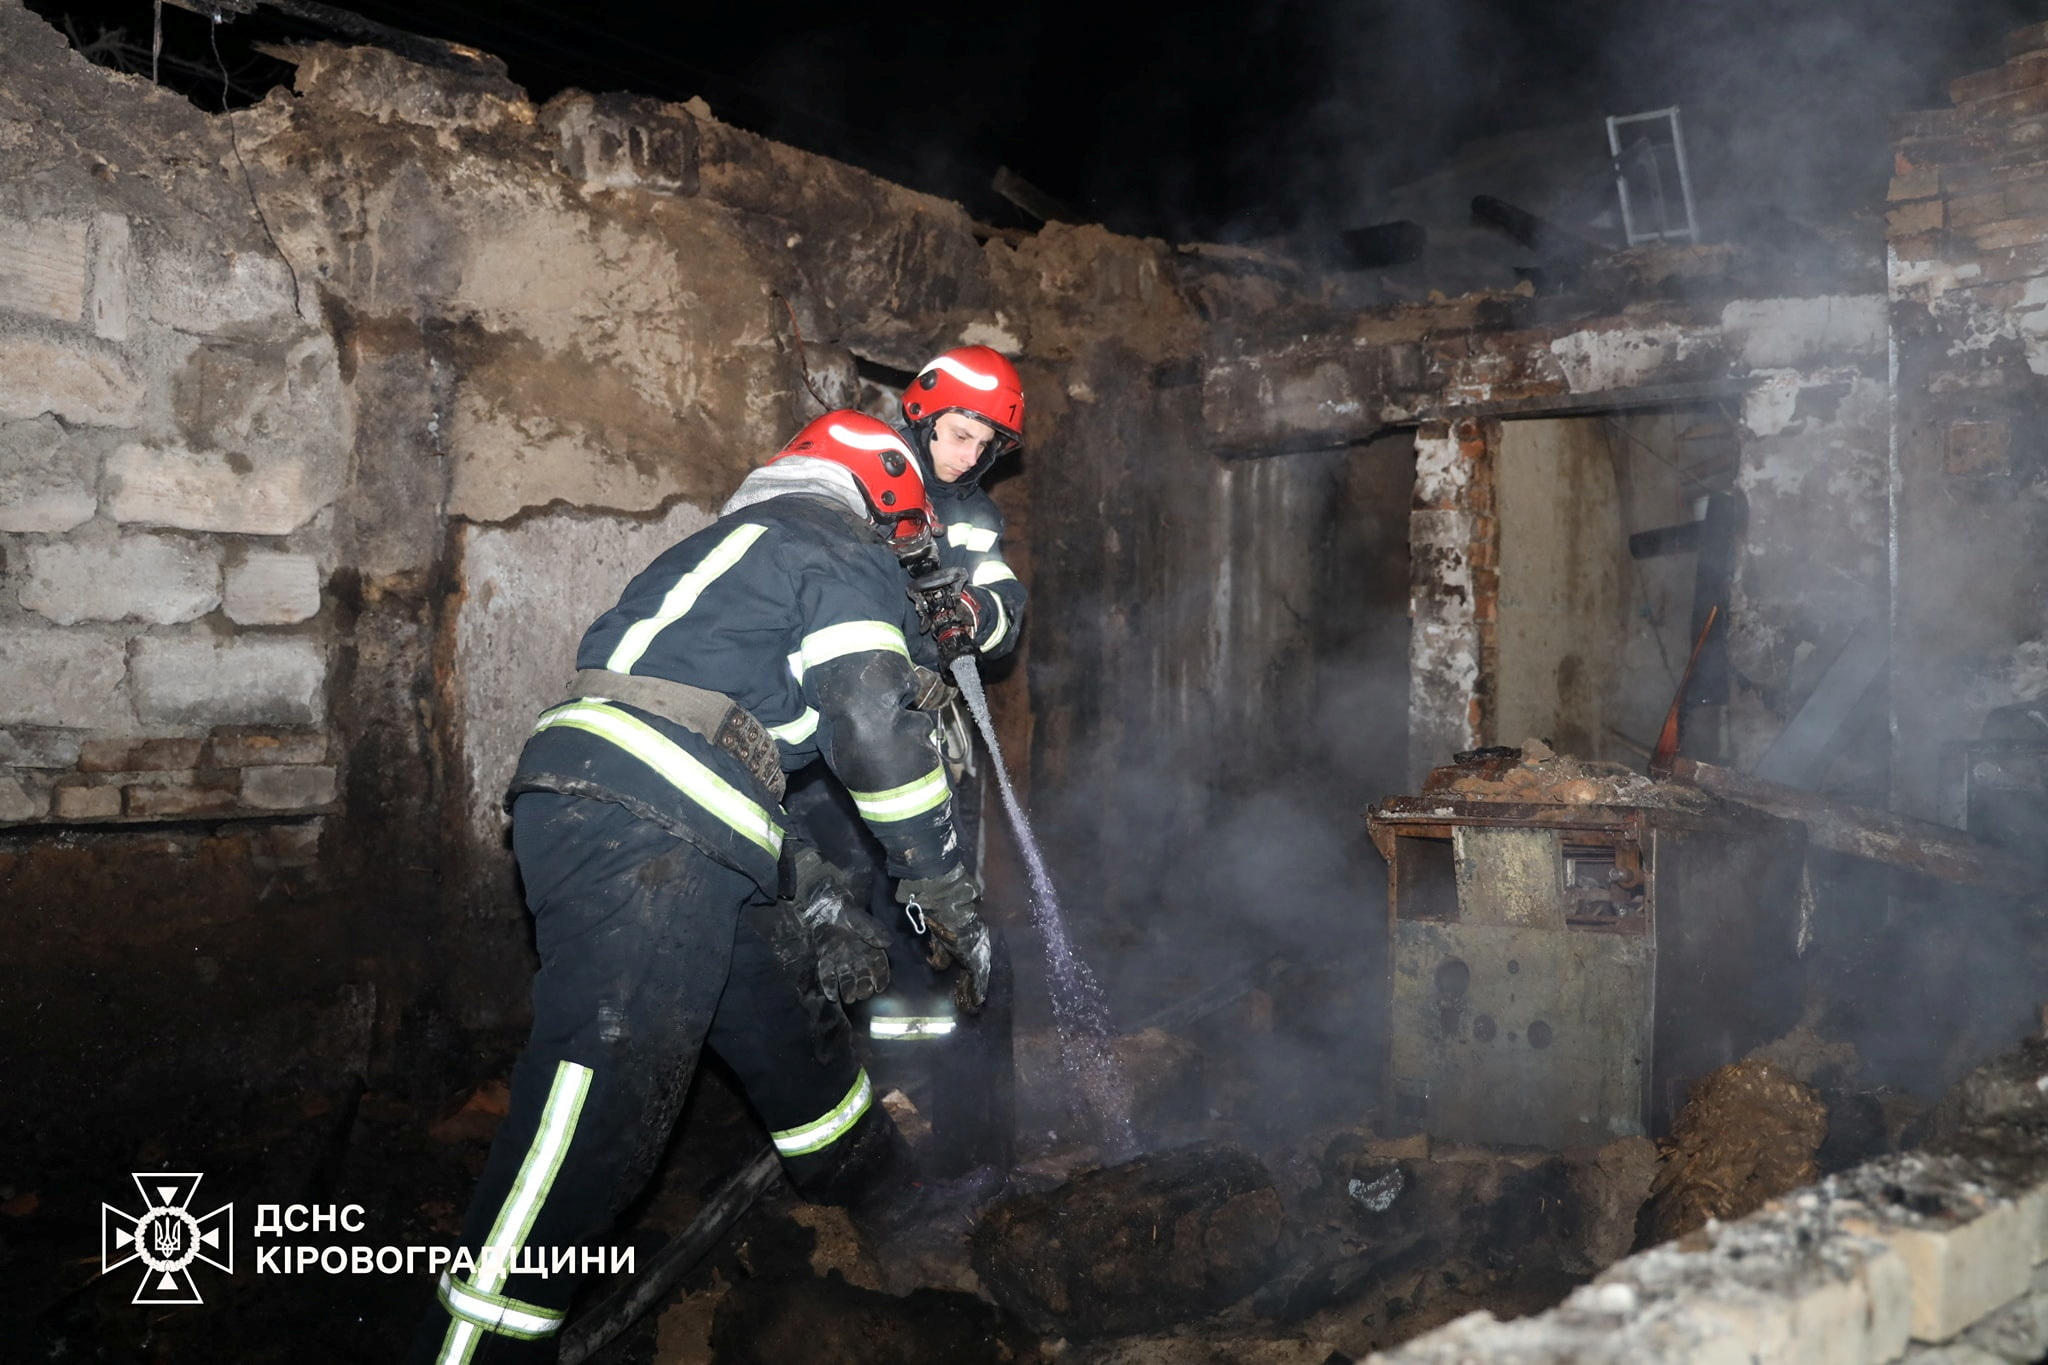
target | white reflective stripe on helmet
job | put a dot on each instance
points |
(497, 1313)
(679, 599)
(911, 1026)
(967, 536)
(848, 637)
(677, 765)
(900, 803)
(798, 730)
(992, 571)
(822, 1133)
(874, 440)
(972, 378)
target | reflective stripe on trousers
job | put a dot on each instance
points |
(515, 1216)
(821, 1133)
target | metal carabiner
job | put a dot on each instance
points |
(916, 913)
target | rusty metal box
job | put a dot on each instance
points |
(1561, 972)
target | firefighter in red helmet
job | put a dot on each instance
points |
(944, 1037)
(965, 410)
(647, 824)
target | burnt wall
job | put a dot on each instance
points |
(1969, 285)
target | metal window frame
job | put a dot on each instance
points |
(1691, 231)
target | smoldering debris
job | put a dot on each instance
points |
(1136, 1247)
(1748, 1132)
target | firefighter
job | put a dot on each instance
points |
(647, 829)
(964, 409)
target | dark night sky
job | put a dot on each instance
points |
(1234, 122)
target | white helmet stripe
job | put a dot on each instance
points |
(861, 440)
(974, 379)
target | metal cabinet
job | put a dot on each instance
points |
(1561, 972)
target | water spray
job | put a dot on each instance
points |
(1079, 1013)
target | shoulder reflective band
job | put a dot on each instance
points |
(822, 1133)
(980, 539)
(992, 571)
(680, 598)
(900, 803)
(798, 730)
(848, 637)
(676, 764)
(496, 1313)
(911, 1026)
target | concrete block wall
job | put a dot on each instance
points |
(1934, 1257)
(173, 434)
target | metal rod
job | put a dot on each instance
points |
(619, 1310)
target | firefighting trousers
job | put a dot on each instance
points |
(645, 958)
(957, 1068)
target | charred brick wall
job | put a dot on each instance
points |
(1969, 302)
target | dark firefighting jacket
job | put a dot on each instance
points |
(972, 541)
(794, 609)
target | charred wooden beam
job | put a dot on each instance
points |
(1878, 836)
(1555, 245)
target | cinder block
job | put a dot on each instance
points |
(1924, 216)
(241, 746)
(192, 286)
(294, 788)
(81, 384)
(1809, 1319)
(2018, 1332)
(32, 747)
(200, 680)
(18, 802)
(272, 589)
(206, 492)
(46, 477)
(1923, 182)
(139, 755)
(2024, 40)
(77, 802)
(1963, 1272)
(2005, 235)
(1971, 210)
(146, 578)
(195, 794)
(42, 267)
(70, 679)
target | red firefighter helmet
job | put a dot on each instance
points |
(974, 380)
(880, 462)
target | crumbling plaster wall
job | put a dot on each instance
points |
(1969, 301)
(1807, 376)
(488, 358)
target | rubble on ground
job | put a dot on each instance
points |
(1132, 1248)
(1748, 1132)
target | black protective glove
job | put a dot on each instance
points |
(945, 905)
(850, 947)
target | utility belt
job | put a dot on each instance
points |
(715, 716)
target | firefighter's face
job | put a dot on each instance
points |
(958, 443)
